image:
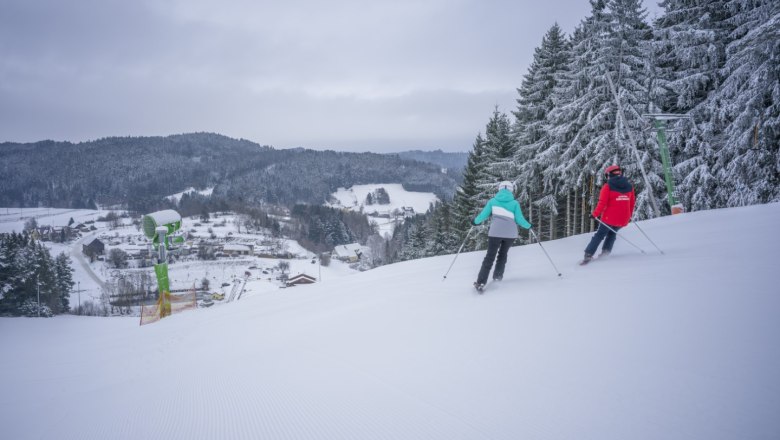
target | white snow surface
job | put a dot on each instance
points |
(355, 197)
(177, 197)
(640, 346)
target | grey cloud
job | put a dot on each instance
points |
(347, 74)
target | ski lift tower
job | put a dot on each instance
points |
(661, 127)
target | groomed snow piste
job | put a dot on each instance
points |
(641, 346)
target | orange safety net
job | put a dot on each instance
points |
(168, 304)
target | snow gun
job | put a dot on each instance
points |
(168, 219)
(161, 227)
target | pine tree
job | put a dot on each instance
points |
(748, 104)
(416, 245)
(499, 150)
(536, 156)
(444, 238)
(64, 280)
(613, 40)
(583, 106)
(690, 51)
(465, 202)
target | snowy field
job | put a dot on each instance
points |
(640, 346)
(177, 197)
(354, 198)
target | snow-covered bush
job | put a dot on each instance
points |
(29, 308)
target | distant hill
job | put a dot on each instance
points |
(451, 161)
(139, 172)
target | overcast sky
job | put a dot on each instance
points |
(349, 75)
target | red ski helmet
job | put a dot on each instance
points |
(613, 170)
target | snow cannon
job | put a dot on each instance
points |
(168, 219)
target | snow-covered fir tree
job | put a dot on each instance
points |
(27, 268)
(536, 155)
(747, 103)
(690, 51)
(466, 202)
(498, 152)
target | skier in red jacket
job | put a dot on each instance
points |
(615, 208)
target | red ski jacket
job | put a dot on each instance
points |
(616, 202)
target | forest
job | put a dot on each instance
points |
(137, 173)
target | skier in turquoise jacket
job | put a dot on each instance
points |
(506, 216)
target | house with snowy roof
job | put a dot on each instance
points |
(237, 249)
(348, 252)
(300, 279)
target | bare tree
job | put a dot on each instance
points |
(118, 258)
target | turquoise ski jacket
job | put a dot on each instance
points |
(506, 215)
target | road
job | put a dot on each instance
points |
(75, 252)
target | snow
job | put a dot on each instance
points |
(641, 346)
(12, 219)
(354, 198)
(165, 216)
(177, 197)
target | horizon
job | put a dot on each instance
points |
(315, 148)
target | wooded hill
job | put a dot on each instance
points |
(138, 172)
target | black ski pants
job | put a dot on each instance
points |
(496, 245)
(605, 233)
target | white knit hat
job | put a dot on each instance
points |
(506, 185)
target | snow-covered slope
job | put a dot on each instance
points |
(682, 345)
(354, 198)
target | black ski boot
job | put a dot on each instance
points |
(480, 287)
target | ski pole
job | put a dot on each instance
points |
(648, 238)
(458, 253)
(545, 251)
(619, 235)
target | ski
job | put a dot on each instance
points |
(481, 287)
(589, 260)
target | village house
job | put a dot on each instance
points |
(235, 250)
(350, 253)
(93, 249)
(300, 279)
(57, 234)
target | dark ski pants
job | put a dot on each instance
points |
(602, 233)
(496, 245)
